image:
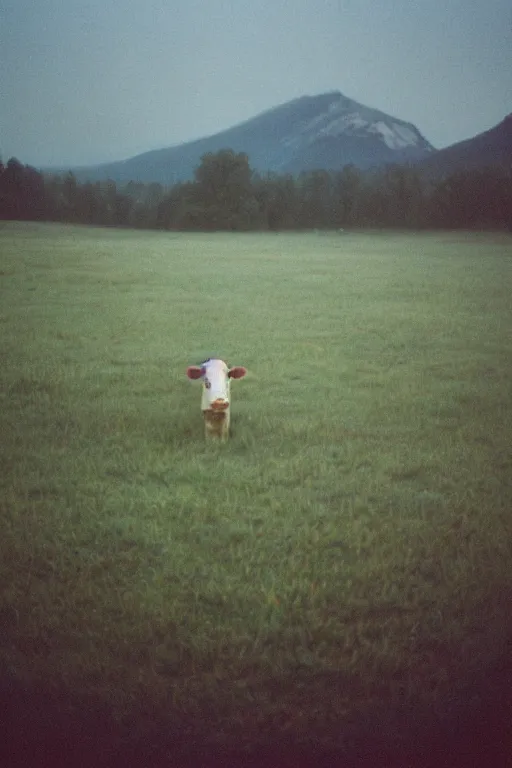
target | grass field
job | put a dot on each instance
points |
(345, 556)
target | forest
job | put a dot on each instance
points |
(227, 195)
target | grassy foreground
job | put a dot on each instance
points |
(347, 554)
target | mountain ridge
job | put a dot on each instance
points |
(491, 148)
(326, 131)
(323, 132)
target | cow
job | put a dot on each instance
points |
(215, 404)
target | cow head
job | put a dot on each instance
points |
(216, 377)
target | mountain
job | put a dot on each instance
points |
(493, 148)
(327, 132)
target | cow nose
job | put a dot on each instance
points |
(220, 404)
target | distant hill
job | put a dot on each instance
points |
(327, 132)
(493, 148)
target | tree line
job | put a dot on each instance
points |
(226, 194)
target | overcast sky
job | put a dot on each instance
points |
(99, 80)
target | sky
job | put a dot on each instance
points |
(102, 80)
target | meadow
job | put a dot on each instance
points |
(343, 560)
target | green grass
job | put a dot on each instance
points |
(347, 551)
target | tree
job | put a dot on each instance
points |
(316, 200)
(347, 191)
(473, 199)
(11, 182)
(278, 202)
(22, 194)
(223, 191)
(70, 197)
(402, 187)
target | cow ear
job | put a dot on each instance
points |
(237, 372)
(194, 372)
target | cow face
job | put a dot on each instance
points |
(216, 377)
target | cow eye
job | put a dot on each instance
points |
(207, 384)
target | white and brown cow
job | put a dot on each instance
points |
(215, 402)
